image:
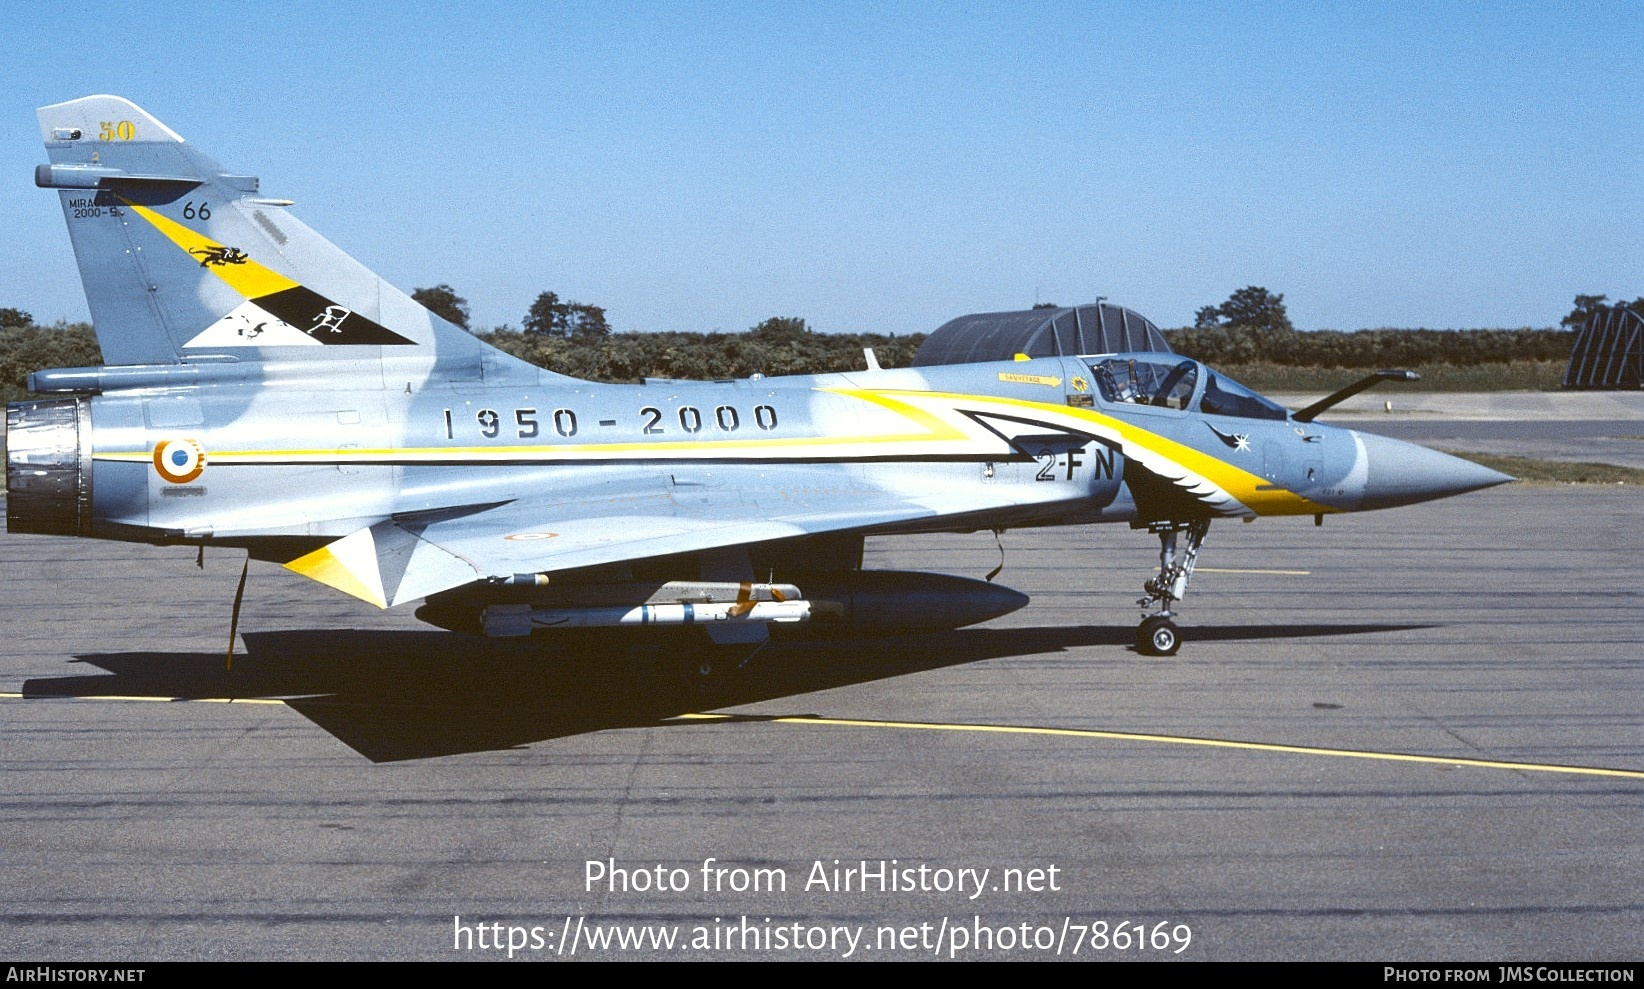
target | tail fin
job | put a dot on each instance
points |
(182, 261)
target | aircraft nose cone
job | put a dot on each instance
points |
(1400, 473)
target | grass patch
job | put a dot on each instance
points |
(1555, 471)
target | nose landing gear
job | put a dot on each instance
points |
(1158, 635)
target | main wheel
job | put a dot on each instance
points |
(1158, 637)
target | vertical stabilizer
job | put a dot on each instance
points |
(183, 261)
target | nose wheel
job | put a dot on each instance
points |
(1158, 635)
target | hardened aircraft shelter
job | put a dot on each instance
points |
(1608, 351)
(1060, 332)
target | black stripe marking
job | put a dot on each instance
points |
(326, 321)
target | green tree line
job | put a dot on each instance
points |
(573, 338)
(25, 347)
(1228, 345)
(702, 356)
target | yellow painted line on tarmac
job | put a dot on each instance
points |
(1125, 736)
(1120, 736)
(1286, 573)
(128, 697)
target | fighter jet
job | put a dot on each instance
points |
(265, 391)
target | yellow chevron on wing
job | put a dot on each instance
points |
(349, 565)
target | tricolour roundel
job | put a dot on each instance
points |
(179, 461)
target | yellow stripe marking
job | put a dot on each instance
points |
(1031, 379)
(1286, 573)
(248, 278)
(1125, 736)
(935, 430)
(1252, 491)
(1121, 736)
(131, 697)
(935, 426)
(660, 449)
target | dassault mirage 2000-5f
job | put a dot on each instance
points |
(264, 391)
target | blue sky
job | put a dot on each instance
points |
(884, 167)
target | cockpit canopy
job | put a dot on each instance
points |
(1170, 381)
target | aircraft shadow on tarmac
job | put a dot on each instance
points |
(415, 695)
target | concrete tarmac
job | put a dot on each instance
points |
(1578, 427)
(360, 786)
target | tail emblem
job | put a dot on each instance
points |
(330, 319)
(278, 312)
(220, 255)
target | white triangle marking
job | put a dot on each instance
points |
(250, 325)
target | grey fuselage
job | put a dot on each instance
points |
(284, 459)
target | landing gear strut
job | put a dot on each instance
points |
(1158, 635)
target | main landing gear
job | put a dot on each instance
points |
(1158, 635)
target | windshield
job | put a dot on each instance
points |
(1225, 397)
(1146, 379)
